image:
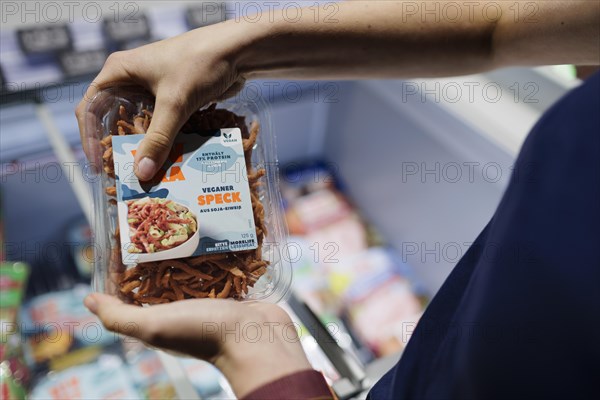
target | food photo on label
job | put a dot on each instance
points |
(158, 224)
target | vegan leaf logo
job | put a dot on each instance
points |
(228, 139)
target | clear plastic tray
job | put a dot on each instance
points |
(111, 275)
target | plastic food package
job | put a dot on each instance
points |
(210, 224)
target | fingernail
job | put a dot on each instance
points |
(90, 303)
(146, 169)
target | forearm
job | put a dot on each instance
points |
(368, 39)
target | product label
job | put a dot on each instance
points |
(199, 203)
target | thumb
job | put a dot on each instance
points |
(170, 113)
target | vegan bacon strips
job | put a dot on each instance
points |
(158, 226)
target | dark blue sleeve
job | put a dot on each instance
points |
(519, 317)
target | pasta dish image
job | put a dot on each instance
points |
(158, 224)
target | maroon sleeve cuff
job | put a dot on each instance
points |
(302, 385)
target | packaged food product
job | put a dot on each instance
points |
(206, 379)
(149, 376)
(106, 378)
(209, 225)
(2, 246)
(56, 325)
(14, 374)
(13, 277)
(380, 326)
(10, 388)
(367, 282)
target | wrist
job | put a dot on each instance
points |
(258, 49)
(267, 348)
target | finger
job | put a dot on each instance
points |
(177, 326)
(115, 70)
(172, 109)
(119, 317)
(170, 113)
(234, 89)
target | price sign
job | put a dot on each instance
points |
(79, 63)
(131, 28)
(208, 13)
(44, 39)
